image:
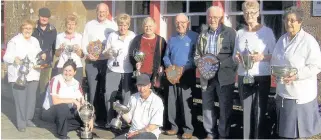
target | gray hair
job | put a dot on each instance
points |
(299, 13)
(214, 7)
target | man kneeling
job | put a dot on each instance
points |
(63, 99)
(146, 112)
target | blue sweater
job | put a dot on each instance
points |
(180, 50)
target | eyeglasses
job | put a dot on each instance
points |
(213, 17)
(291, 20)
(27, 28)
(181, 22)
(250, 13)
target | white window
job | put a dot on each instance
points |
(138, 10)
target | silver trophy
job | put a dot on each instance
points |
(68, 50)
(121, 109)
(23, 71)
(139, 56)
(280, 72)
(115, 53)
(86, 114)
(247, 64)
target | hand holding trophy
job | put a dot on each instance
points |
(139, 56)
(121, 109)
(23, 72)
(86, 113)
(247, 63)
(94, 49)
(281, 72)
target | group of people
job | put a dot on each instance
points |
(296, 99)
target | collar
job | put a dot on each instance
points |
(49, 27)
(72, 36)
(182, 35)
(218, 29)
(297, 36)
(149, 99)
(104, 22)
(126, 36)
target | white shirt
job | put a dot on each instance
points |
(95, 30)
(262, 41)
(61, 39)
(19, 47)
(144, 112)
(58, 87)
(114, 42)
(303, 53)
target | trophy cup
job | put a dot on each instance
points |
(121, 109)
(115, 55)
(23, 70)
(283, 71)
(68, 50)
(86, 113)
(247, 63)
(139, 57)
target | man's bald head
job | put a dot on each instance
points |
(214, 16)
(181, 16)
(102, 11)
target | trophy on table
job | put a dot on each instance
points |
(139, 56)
(121, 109)
(86, 114)
(280, 72)
(23, 71)
(247, 64)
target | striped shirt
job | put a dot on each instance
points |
(212, 45)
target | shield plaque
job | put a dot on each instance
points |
(95, 48)
(208, 66)
(174, 73)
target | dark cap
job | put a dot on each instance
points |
(143, 79)
(44, 12)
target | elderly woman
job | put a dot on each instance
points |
(153, 46)
(20, 47)
(260, 41)
(64, 97)
(120, 69)
(296, 100)
(70, 40)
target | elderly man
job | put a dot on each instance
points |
(180, 52)
(46, 34)
(146, 112)
(96, 29)
(217, 39)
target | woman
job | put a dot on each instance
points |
(71, 39)
(296, 100)
(20, 47)
(64, 97)
(119, 72)
(260, 41)
(153, 47)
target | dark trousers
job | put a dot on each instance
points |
(25, 102)
(254, 99)
(180, 102)
(210, 115)
(115, 83)
(95, 70)
(66, 119)
(145, 135)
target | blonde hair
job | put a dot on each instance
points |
(148, 19)
(123, 18)
(250, 5)
(71, 17)
(27, 22)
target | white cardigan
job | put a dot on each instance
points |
(303, 53)
(18, 46)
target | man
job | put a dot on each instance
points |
(46, 34)
(146, 112)
(217, 39)
(180, 52)
(96, 29)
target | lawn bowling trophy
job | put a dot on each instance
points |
(86, 113)
(68, 50)
(207, 66)
(121, 109)
(115, 56)
(139, 56)
(247, 64)
(283, 71)
(23, 72)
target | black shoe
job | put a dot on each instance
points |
(63, 137)
(31, 124)
(22, 129)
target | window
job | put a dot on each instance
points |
(195, 10)
(138, 10)
(270, 14)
